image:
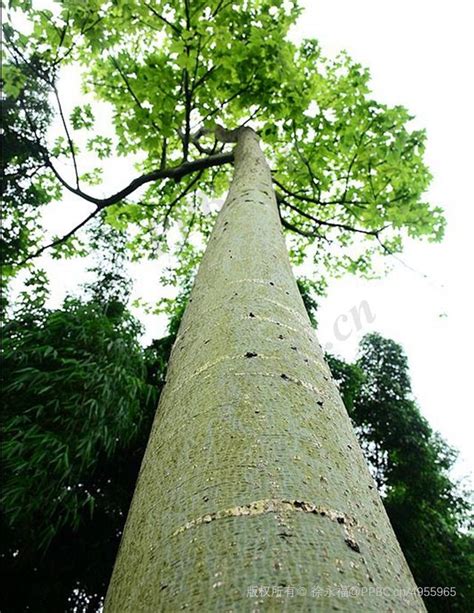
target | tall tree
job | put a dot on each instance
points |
(344, 165)
(244, 482)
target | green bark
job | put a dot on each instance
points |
(253, 475)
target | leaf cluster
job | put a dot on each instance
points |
(73, 386)
(410, 463)
(25, 183)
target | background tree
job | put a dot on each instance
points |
(24, 186)
(76, 396)
(411, 466)
(76, 403)
(22, 159)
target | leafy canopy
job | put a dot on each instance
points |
(344, 165)
(24, 182)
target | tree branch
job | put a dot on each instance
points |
(132, 93)
(201, 79)
(187, 111)
(66, 130)
(354, 158)
(61, 239)
(164, 148)
(175, 172)
(178, 198)
(289, 226)
(313, 200)
(359, 203)
(330, 224)
(164, 20)
(221, 6)
(188, 16)
(314, 182)
(221, 106)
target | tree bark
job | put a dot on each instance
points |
(254, 494)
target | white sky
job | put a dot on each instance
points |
(420, 54)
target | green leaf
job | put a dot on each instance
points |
(82, 117)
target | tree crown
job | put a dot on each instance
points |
(344, 165)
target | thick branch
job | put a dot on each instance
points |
(194, 140)
(175, 172)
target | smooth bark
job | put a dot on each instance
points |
(253, 477)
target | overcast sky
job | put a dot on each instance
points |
(420, 55)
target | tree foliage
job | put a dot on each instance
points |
(24, 182)
(74, 388)
(344, 165)
(410, 463)
(79, 394)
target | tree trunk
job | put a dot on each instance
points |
(254, 494)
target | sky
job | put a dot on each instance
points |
(419, 53)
